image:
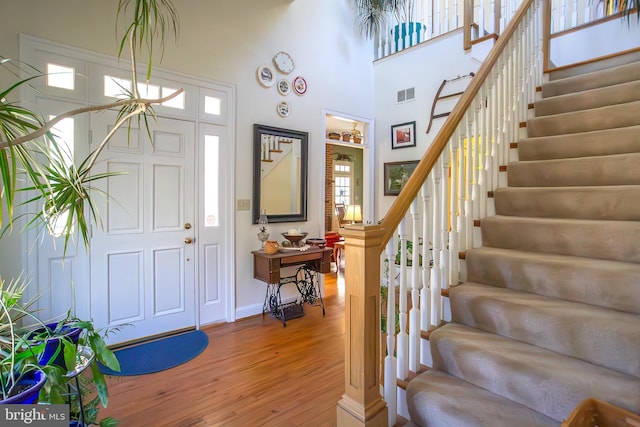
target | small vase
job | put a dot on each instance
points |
(271, 247)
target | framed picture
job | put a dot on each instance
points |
(396, 175)
(403, 135)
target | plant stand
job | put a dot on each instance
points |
(85, 358)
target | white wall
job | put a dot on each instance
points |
(591, 42)
(226, 41)
(424, 67)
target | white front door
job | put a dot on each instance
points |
(143, 254)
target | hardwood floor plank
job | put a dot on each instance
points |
(254, 372)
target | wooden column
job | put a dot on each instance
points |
(361, 404)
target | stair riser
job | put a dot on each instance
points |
(598, 143)
(590, 67)
(608, 77)
(585, 121)
(604, 284)
(613, 240)
(528, 375)
(577, 330)
(617, 94)
(586, 171)
(573, 202)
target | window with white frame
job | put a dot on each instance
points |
(343, 182)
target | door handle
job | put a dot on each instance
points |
(188, 240)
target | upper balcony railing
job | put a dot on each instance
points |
(481, 18)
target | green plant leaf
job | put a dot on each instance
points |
(103, 353)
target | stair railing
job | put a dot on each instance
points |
(439, 207)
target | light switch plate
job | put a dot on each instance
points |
(243, 204)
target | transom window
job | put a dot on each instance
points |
(60, 76)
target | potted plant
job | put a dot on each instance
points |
(67, 373)
(373, 15)
(21, 378)
(63, 190)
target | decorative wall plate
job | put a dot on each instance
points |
(266, 75)
(284, 87)
(283, 108)
(299, 85)
(284, 62)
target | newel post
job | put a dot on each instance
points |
(361, 403)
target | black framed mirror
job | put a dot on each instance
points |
(279, 174)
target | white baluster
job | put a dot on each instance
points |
(390, 362)
(456, 216)
(427, 244)
(403, 336)
(472, 202)
(444, 252)
(436, 281)
(456, 18)
(447, 17)
(416, 285)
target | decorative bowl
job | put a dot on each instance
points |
(295, 238)
(317, 242)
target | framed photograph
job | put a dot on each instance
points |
(396, 175)
(403, 135)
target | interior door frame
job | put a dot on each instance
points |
(368, 167)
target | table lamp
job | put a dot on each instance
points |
(353, 214)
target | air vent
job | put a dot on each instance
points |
(406, 94)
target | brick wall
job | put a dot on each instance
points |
(328, 187)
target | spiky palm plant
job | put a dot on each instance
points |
(33, 160)
(28, 144)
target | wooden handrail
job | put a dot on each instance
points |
(409, 192)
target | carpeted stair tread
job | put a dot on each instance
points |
(547, 382)
(586, 202)
(615, 169)
(609, 284)
(584, 144)
(605, 337)
(610, 76)
(598, 239)
(592, 98)
(457, 403)
(608, 117)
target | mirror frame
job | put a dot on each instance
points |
(258, 131)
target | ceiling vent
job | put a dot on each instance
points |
(406, 94)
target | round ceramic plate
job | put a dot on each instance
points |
(266, 75)
(284, 62)
(299, 85)
(284, 87)
(283, 108)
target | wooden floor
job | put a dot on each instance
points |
(255, 372)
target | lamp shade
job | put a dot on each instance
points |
(354, 213)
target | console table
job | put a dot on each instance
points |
(267, 268)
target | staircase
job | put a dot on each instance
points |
(550, 312)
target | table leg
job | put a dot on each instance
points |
(273, 303)
(309, 287)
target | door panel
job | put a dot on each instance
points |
(142, 269)
(58, 280)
